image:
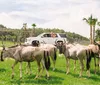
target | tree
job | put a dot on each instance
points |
(33, 31)
(94, 21)
(89, 21)
(98, 23)
(98, 34)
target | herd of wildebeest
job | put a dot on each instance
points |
(41, 53)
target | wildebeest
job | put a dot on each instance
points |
(27, 54)
(75, 52)
(52, 50)
(95, 54)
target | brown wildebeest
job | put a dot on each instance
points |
(95, 54)
(52, 49)
(75, 52)
(27, 54)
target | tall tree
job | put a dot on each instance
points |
(94, 21)
(24, 29)
(89, 21)
(33, 31)
(98, 23)
(98, 34)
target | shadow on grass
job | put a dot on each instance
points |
(94, 78)
(97, 73)
(57, 70)
(41, 81)
(2, 70)
(74, 74)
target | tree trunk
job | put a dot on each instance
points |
(91, 34)
(34, 31)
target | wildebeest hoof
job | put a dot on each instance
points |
(26, 73)
(53, 69)
(12, 76)
(30, 73)
(80, 76)
(48, 78)
(36, 77)
(95, 72)
(20, 78)
(67, 72)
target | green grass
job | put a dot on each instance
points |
(6, 43)
(57, 77)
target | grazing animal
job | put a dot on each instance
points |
(95, 54)
(75, 52)
(27, 54)
(52, 52)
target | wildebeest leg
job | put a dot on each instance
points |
(39, 68)
(99, 63)
(54, 61)
(74, 65)
(13, 68)
(42, 70)
(54, 58)
(81, 67)
(28, 67)
(54, 65)
(20, 70)
(67, 65)
(47, 73)
(95, 64)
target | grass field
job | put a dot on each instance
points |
(57, 77)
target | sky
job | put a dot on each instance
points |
(63, 14)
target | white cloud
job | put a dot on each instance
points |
(8, 21)
(64, 14)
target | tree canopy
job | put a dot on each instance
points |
(19, 34)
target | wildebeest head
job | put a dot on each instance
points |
(2, 53)
(61, 46)
(5, 53)
(35, 43)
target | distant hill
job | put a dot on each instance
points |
(15, 34)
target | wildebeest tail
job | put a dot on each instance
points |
(89, 54)
(47, 60)
(2, 56)
(55, 55)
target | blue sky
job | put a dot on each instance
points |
(63, 14)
